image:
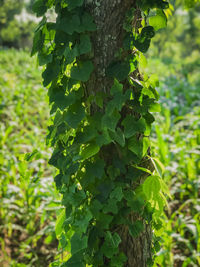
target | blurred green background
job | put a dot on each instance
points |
(29, 201)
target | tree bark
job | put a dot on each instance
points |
(109, 16)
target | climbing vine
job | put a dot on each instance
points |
(100, 139)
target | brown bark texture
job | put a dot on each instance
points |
(109, 16)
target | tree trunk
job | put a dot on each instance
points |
(109, 16)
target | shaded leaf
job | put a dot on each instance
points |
(74, 115)
(139, 147)
(136, 228)
(39, 7)
(90, 150)
(82, 72)
(38, 42)
(118, 70)
(51, 72)
(87, 23)
(118, 136)
(110, 121)
(133, 126)
(85, 44)
(73, 3)
(117, 193)
(44, 58)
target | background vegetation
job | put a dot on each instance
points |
(28, 199)
(16, 23)
(174, 57)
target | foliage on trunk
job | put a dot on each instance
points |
(102, 114)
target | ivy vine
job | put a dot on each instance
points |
(101, 153)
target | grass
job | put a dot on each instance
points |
(176, 142)
(28, 199)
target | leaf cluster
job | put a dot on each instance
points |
(101, 155)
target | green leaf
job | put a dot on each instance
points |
(75, 261)
(104, 221)
(154, 107)
(70, 54)
(90, 150)
(59, 223)
(87, 23)
(33, 155)
(78, 243)
(159, 167)
(63, 101)
(136, 204)
(118, 136)
(116, 88)
(162, 4)
(78, 263)
(73, 3)
(73, 198)
(159, 21)
(151, 187)
(82, 72)
(87, 134)
(113, 172)
(118, 70)
(117, 193)
(41, 24)
(150, 92)
(116, 103)
(147, 32)
(51, 72)
(142, 41)
(118, 260)
(115, 239)
(111, 206)
(146, 4)
(153, 80)
(133, 126)
(39, 7)
(69, 24)
(44, 58)
(85, 44)
(95, 207)
(110, 121)
(111, 243)
(74, 115)
(129, 195)
(138, 147)
(103, 138)
(98, 168)
(142, 169)
(81, 222)
(38, 42)
(99, 97)
(136, 228)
